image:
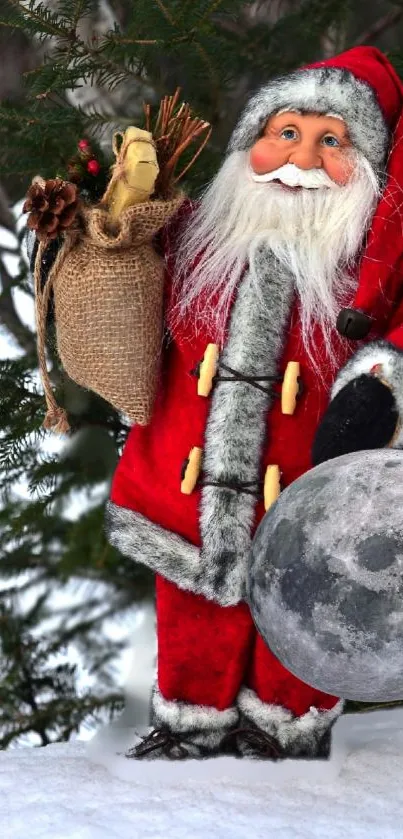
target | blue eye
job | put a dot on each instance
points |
(289, 134)
(329, 140)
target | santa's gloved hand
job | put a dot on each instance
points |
(363, 415)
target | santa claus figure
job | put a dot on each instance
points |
(287, 274)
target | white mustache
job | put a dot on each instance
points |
(291, 175)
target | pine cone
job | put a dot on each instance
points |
(52, 206)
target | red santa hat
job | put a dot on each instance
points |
(362, 87)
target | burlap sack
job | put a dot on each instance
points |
(108, 297)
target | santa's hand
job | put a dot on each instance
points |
(363, 415)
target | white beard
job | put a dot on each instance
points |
(315, 233)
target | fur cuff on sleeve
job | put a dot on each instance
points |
(390, 372)
(168, 554)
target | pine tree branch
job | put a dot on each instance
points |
(120, 41)
(379, 27)
(83, 51)
(77, 49)
(8, 250)
(165, 12)
(211, 9)
(215, 87)
(44, 22)
(31, 701)
(78, 13)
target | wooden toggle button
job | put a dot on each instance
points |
(272, 487)
(290, 388)
(207, 370)
(191, 470)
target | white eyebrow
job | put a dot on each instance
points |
(297, 111)
(288, 110)
(335, 116)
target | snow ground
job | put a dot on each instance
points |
(59, 792)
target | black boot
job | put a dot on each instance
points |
(163, 744)
(252, 742)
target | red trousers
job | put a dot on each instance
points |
(206, 652)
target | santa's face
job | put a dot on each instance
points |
(307, 141)
(304, 193)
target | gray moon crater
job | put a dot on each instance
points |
(325, 579)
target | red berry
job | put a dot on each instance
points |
(93, 167)
(83, 145)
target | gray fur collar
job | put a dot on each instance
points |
(237, 422)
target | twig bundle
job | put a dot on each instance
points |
(174, 130)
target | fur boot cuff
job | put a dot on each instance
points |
(306, 736)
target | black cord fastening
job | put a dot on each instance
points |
(184, 466)
(301, 387)
(196, 370)
(237, 486)
(251, 380)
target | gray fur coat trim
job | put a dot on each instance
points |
(234, 442)
(237, 423)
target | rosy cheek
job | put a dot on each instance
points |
(339, 169)
(262, 157)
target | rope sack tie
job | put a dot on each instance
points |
(55, 417)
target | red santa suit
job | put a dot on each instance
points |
(213, 668)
